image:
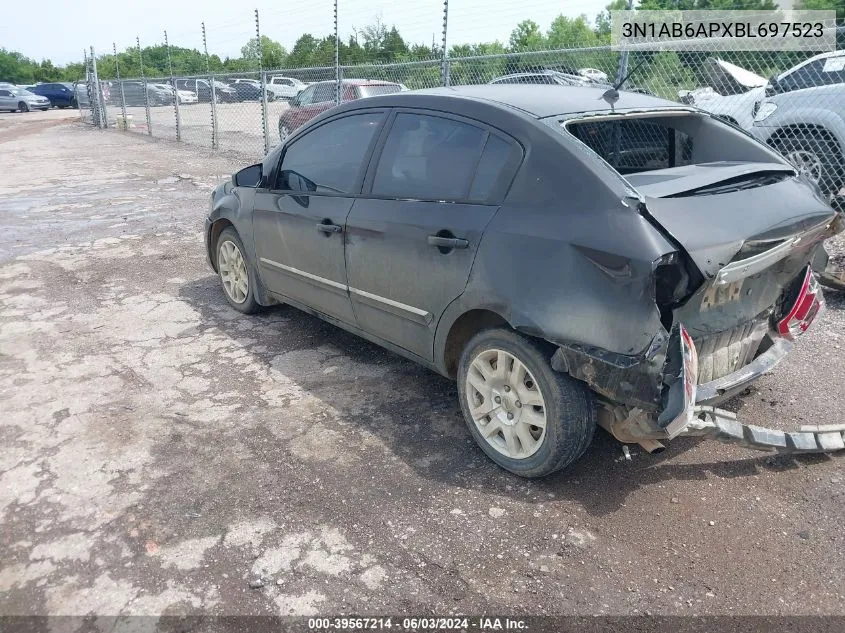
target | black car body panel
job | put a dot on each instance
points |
(561, 247)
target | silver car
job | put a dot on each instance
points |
(12, 99)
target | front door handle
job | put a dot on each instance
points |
(447, 242)
(329, 228)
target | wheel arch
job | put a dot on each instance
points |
(791, 130)
(457, 326)
(217, 227)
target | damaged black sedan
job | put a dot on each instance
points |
(569, 262)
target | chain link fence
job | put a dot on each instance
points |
(795, 101)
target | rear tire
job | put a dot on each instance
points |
(818, 156)
(526, 417)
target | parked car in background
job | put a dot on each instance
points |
(250, 90)
(187, 97)
(466, 228)
(803, 117)
(594, 74)
(23, 100)
(60, 94)
(135, 94)
(732, 93)
(80, 95)
(553, 77)
(320, 96)
(285, 87)
(202, 88)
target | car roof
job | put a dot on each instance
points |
(360, 82)
(538, 100)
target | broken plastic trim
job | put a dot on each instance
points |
(723, 425)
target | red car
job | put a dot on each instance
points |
(320, 96)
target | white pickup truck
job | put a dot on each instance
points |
(285, 87)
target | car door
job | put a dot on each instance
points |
(7, 100)
(299, 219)
(411, 238)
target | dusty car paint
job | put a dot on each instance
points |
(584, 251)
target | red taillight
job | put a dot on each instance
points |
(808, 305)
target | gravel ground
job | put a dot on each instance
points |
(165, 454)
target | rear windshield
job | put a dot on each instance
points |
(663, 140)
(372, 91)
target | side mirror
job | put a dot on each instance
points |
(248, 176)
(773, 87)
(295, 101)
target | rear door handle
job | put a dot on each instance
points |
(447, 242)
(329, 228)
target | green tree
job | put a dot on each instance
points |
(273, 54)
(527, 37)
(602, 26)
(831, 5)
(568, 32)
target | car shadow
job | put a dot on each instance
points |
(415, 413)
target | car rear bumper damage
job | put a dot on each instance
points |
(658, 397)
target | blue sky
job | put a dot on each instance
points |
(59, 30)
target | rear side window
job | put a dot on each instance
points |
(328, 159)
(429, 158)
(635, 145)
(372, 91)
(493, 160)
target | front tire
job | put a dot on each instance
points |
(23, 107)
(526, 417)
(236, 275)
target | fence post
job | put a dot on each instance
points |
(102, 119)
(211, 86)
(444, 60)
(120, 83)
(336, 59)
(623, 57)
(264, 129)
(173, 85)
(146, 95)
(87, 90)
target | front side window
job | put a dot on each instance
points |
(323, 93)
(329, 158)
(429, 158)
(306, 97)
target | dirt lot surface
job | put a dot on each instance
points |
(165, 454)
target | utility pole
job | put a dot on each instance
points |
(213, 94)
(173, 86)
(444, 63)
(144, 80)
(263, 85)
(120, 83)
(336, 59)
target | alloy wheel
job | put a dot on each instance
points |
(506, 403)
(807, 163)
(233, 272)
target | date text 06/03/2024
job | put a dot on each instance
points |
(483, 623)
